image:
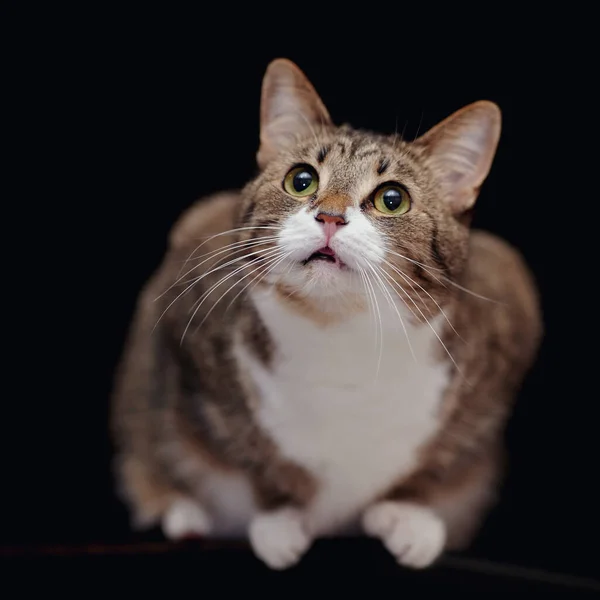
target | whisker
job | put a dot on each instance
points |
(436, 334)
(367, 292)
(393, 304)
(429, 269)
(254, 240)
(260, 259)
(415, 262)
(393, 283)
(475, 294)
(371, 305)
(208, 238)
(270, 268)
(408, 279)
(200, 277)
(221, 266)
(419, 126)
(266, 253)
(380, 325)
(243, 245)
(395, 138)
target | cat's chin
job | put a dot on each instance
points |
(321, 279)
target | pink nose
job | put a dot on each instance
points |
(330, 223)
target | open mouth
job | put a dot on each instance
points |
(325, 254)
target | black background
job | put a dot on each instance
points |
(122, 120)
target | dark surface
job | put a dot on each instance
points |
(232, 565)
(123, 119)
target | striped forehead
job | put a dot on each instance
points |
(351, 166)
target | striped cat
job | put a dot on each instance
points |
(331, 349)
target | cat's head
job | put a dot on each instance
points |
(344, 212)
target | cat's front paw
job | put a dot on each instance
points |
(184, 518)
(279, 538)
(414, 534)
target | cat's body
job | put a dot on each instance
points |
(290, 407)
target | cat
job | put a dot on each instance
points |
(330, 350)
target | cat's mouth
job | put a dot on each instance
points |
(325, 254)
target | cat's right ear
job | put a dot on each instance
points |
(290, 109)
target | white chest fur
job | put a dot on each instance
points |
(352, 411)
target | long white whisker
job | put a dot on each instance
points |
(409, 279)
(393, 283)
(212, 237)
(207, 238)
(370, 284)
(475, 294)
(393, 304)
(429, 269)
(371, 304)
(270, 268)
(435, 333)
(261, 259)
(234, 250)
(416, 262)
(412, 287)
(200, 277)
(368, 294)
(267, 253)
(221, 266)
(254, 240)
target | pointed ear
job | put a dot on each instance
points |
(461, 149)
(290, 109)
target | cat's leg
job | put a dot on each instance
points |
(144, 492)
(185, 518)
(152, 501)
(279, 533)
(280, 537)
(413, 533)
(416, 527)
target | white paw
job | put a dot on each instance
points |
(279, 538)
(414, 534)
(185, 518)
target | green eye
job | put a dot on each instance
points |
(392, 200)
(301, 181)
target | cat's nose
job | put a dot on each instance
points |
(330, 222)
(331, 219)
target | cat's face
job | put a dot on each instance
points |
(349, 213)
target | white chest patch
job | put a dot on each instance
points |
(328, 406)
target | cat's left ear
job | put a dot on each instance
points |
(290, 109)
(461, 149)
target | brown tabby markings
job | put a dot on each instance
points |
(184, 399)
(220, 431)
(466, 452)
(420, 238)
